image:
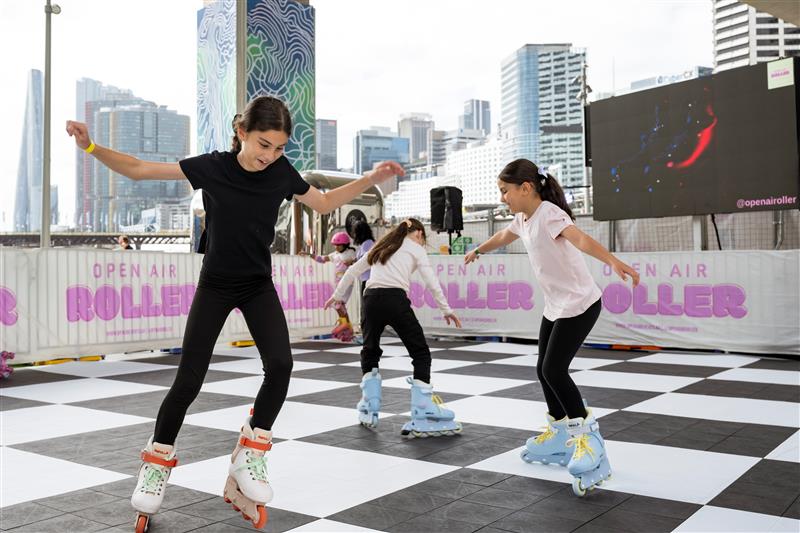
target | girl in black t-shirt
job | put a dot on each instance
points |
(242, 190)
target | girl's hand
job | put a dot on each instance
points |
(384, 170)
(623, 270)
(470, 257)
(330, 303)
(80, 132)
(454, 318)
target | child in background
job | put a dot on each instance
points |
(393, 260)
(342, 258)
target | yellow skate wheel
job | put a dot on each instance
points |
(577, 488)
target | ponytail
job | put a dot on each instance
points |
(236, 144)
(546, 186)
(385, 248)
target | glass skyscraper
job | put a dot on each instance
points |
(28, 198)
(378, 144)
(541, 119)
(326, 145)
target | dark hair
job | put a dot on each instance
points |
(362, 232)
(392, 241)
(264, 113)
(521, 171)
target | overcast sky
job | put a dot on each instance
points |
(375, 59)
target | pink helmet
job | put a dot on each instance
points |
(340, 237)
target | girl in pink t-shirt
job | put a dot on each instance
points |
(544, 223)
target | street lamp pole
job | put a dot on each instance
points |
(44, 240)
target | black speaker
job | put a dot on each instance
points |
(446, 209)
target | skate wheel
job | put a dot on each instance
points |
(236, 509)
(142, 523)
(577, 488)
(261, 521)
(228, 500)
(246, 517)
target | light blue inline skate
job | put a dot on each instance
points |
(370, 402)
(550, 446)
(589, 463)
(428, 417)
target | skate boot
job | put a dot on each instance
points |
(247, 488)
(343, 330)
(370, 402)
(158, 460)
(5, 369)
(589, 463)
(428, 417)
(550, 446)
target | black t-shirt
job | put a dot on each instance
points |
(241, 210)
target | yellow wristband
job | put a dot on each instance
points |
(89, 149)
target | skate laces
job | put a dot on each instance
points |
(546, 435)
(153, 478)
(582, 446)
(257, 464)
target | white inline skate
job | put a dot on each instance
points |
(158, 460)
(247, 488)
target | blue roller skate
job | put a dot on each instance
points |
(550, 446)
(428, 417)
(370, 402)
(589, 463)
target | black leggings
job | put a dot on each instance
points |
(390, 307)
(214, 300)
(558, 343)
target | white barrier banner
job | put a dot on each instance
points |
(71, 302)
(745, 301)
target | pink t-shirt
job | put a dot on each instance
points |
(559, 267)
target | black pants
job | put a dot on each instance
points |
(214, 300)
(391, 307)
(558, 343)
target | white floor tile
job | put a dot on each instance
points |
(760, 375)
(28, 476)
(78, 390)
(318, 480)
(100, 369)
(711, 519)
(329, 526)
(503, 347)
(255, 366)
(649, 470)
(697, 359)
(789, 450)
(249, 387)
(460, 384)
(744, 410)
(578, 363)
(631, 380)
(392, 350)
(505, 412)
(50, 421)
(249, 351)
(404, 364)
(296, 420)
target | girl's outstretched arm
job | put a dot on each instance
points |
(325, 202)
(587, 245)
(129, 166)
(499, 239)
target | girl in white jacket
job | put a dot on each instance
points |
(392, 261)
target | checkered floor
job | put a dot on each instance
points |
(697, 442)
